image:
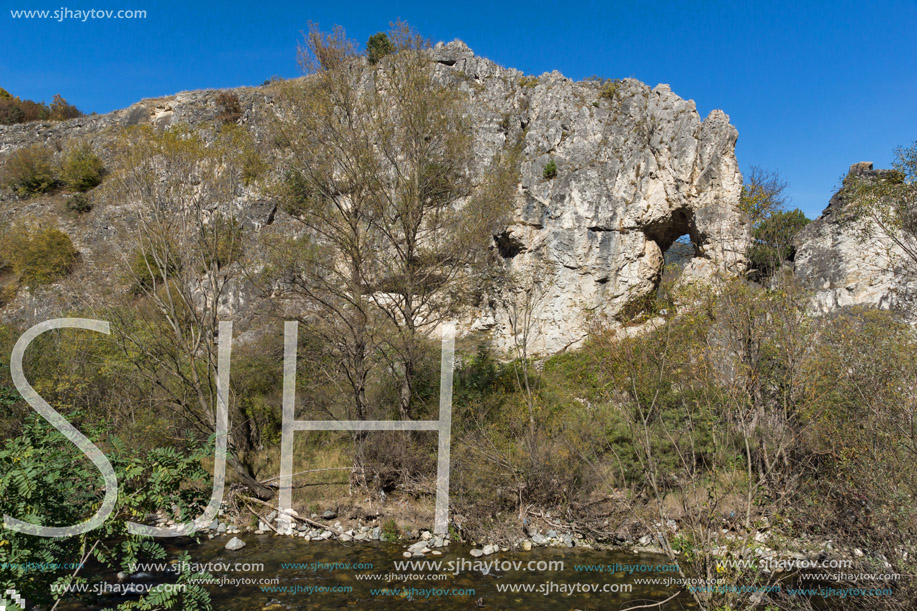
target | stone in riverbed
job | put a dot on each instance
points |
(539, 539)
(490, 549)
(476, 553)
(329, 515)
(526, 546)
(235, 544)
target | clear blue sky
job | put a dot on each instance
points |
(812, 87)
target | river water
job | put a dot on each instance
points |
(335, 575)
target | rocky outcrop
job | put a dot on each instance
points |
(636, 168)
(846, 260)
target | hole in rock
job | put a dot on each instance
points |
(678, 239)
(508, 245)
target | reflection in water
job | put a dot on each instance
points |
(332, 587)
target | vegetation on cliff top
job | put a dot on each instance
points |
(14, 110)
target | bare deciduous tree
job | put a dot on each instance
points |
(185, 245)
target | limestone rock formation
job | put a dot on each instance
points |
(848, 261)
(636, 168)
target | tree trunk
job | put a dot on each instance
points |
(265, 493)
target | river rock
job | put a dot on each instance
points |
(526, 546)
(235, 544)
(476, 553)
(490, 549)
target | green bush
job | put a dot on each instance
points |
(38, 255)
(30, 170)
(773, 240)
(390, 531)
(48, 482)
(149, 269)
(79, 203)
(609, 89)
(378, 47)
(81, 169)
(550, 170)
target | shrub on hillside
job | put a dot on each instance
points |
(38, 255)
(10, 110)
(30, 170)
(550, 170)
(81, 169)
(13, 110)
(378, 47)
(230, 107)
(61, 110)
(150, 268)
(79, 203)
(773, 240)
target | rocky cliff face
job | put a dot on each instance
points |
(636, 168)
(848, 261)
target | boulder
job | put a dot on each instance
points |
(235, 544)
